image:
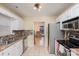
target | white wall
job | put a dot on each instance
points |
(4, 25)
(29, 24)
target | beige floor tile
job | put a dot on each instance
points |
(36, 51)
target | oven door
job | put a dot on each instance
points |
(66, 52)
(62, 51)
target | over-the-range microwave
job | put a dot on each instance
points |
(71, 25)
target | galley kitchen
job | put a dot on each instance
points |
(39, 29)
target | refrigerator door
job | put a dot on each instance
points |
(54, 34)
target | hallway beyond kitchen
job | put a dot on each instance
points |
(39, 33)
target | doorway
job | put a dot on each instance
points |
(39, 33)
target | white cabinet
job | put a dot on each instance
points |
(73, 54)
(4, 20)
(8, 13)
(9, 21)
(4, 25)
(8, 51)
(30, 41)
(70, 13)
(16, 24)
(1, 53)
(14, 50)
(75, 10)
(25, 44)
(19, 47)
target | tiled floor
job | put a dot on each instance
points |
(36, 51)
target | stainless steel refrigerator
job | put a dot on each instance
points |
(54, 33)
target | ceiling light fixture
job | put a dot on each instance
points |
(37, 6)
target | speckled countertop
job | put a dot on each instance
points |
(19, 35)
(4, 46)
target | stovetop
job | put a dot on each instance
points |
(72, 43)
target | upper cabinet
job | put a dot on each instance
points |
(4, 20)
(72, 12)
(16, 25)
(4, 25)
(9, 21)
(71, 24)
(8, 13)
(66, 15)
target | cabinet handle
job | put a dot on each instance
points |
(8, 53)
(2, 53)
(17, 48)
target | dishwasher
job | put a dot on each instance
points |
(25, 44)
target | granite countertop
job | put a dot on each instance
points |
(75, 50)
(19, 35)
(4, 46)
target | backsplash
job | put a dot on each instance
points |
(73, 34)
(17, 35)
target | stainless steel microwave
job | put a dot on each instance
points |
(65, 25)
(70, 25)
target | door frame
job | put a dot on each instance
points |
(44, 31)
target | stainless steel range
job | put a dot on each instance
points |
(63, 48)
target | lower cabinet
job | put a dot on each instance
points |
(30, 41)
(14, 50)
(73, 54)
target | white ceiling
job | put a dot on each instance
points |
(48, 9)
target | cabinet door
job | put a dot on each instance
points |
(73, 54)
(58, 47)
(14, 50)
(7, 52)
(19, 47)
(30, 41)
(17, 25)
(4, 20)
(10, 51)
(25, 43)
(1, 53)
(74, 11)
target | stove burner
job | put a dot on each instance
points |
(67, 44)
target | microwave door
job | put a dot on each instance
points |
(70, 26)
